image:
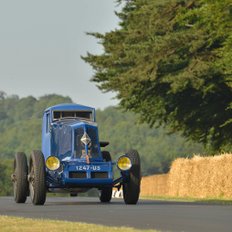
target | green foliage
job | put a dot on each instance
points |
(20, 130)
(156, 148)
(6, 169)
(20, 122)
(171, 62)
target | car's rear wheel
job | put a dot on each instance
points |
(37, 181)
(19, 178)
(73, 194)
(131, 188)
(106, 192)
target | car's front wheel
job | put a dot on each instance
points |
(131, 188)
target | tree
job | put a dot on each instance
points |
(156, 148)
(21, 120)
(2, 95)
(20, 130)
(171, 62)
(5, 182)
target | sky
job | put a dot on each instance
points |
(41, 42)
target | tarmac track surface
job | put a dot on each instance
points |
(147, 214)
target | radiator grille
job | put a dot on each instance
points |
(99, 175)
(77, 175)
(79, 146)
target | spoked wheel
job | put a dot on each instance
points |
(37, 182)
(19, 178)
(106, 192)
(131, 189)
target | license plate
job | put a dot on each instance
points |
(88, 167)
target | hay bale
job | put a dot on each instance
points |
(155, 185)
(200, 177)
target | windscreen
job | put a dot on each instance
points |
(87, 115)
(61, 141)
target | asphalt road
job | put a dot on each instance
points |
(160, 215)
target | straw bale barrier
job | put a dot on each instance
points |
(154, 185)
(200, 177)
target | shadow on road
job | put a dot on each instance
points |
(141, 202)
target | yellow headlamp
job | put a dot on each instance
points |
(52, 163)
(124, 163)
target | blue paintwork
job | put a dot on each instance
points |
(46, 135)
(60, 137)
(62, 180)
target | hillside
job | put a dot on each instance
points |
(20, 122)
(20, 130)
(20, 126)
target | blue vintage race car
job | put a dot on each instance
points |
(72, 161)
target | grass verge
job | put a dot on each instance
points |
(221, 201)
(19, 224)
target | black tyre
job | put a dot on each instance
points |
(106, 193)
(19, 178)
(131, 189)
(37, 182)
(73, 194)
